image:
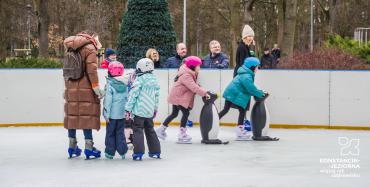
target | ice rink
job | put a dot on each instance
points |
(37, 156)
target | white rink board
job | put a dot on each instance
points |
(350, 98)
(209, 80)
(31, 96)
(297, 97)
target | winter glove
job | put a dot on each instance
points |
(176, 78)
(266, 94)
(99, 92)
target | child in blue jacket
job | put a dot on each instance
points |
(114, 111)
(238, 93)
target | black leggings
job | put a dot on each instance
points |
(226, 109)
(175, 112)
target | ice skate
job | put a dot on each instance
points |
(183, 137)
(137, 156)
(90, 150)
(242, 134)
(73, 150)
(161, 132)
(155, 155)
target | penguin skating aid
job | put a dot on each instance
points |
(261, 120)
(210, 121)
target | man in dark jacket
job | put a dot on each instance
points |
(243, 50)
(176, 61)
(216, 59)
(276, 53)
(267, 60)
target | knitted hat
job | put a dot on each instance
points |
(109, 52)
(247, 31)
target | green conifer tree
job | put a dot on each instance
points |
(146, 24)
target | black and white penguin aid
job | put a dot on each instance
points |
(261, 120)
(210, 121)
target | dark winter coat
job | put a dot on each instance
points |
(242, 53)
(174, 62)
(220, 61)
(157, 64)
(276, 53)
(268, 62)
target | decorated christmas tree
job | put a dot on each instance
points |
(146, 24)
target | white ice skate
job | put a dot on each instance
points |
(242, 134)
(183, 138)
(161, 132)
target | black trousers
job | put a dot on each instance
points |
(140, 126)
(228, 105)
(175, 113)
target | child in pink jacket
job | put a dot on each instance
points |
(182, 97)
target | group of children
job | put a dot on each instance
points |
(132, 98)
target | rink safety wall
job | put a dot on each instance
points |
(299, 99)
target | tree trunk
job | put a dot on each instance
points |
(280, 20)
(191, 15)
(43, 26)
(235, 29)
(248, 7)
(289, 28)
(332, 15)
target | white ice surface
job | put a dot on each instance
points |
(37, 156)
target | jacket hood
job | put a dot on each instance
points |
(245, 70)
(184, 69)
(117, 83)
(79, 40)
(149, 80)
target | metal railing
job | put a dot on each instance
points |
(362, 35)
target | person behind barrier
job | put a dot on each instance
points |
(216, 58)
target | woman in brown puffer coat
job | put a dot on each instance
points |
(82, 97)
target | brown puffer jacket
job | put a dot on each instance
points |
(82, 106)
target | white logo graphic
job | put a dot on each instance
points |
(349, 146)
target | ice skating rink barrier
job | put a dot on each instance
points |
(309, 99)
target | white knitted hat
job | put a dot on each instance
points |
(247, 31)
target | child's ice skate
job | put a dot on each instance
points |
(161, 132)
(155, 155)
(183, 137)
(109, 156)
(242, 134)
(137, 156)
